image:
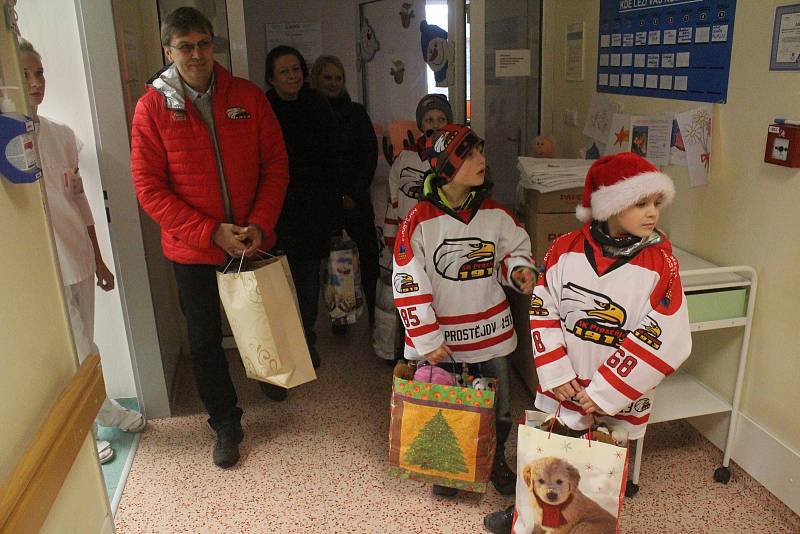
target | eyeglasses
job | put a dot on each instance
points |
(188, 48)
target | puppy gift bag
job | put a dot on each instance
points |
(341, 277)
(567, 484)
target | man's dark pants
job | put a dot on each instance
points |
(199, 298)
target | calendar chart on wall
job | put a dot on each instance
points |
(677, 49)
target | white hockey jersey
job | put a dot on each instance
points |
(448, 267)
(406, 179)
(618, 325)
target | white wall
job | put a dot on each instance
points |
(747, 215)
(52, 27)
(38, 356)
(339, 22)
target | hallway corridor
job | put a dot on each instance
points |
(318, 463)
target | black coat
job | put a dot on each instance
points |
(312, 209)
(359, 149)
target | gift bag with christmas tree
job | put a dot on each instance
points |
(442, 434)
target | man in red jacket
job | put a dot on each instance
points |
(210, 167)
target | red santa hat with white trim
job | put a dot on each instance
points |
(619, 181)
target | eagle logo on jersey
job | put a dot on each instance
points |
(593, 316)
(444, 141)
(537, 308)
(238, 114)
(649, 333)
(404, 283)
(411, 180)
(463, 259)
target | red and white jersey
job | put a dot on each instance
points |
(618, 325)
(406, 179)
(448, 267)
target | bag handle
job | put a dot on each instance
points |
(589, 434)
(263, 253)
(555, 418)
(453, 372)
(233, 259)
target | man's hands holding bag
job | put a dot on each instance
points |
(238, 240)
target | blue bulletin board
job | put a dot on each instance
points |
(677, 49)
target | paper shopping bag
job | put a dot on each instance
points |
(341, 277)
(442, 434)
(261, 304)
(564, 482)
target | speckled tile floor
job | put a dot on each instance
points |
(317, 463)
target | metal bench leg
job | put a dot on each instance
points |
(632, 487)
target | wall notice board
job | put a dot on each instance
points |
(677, 49)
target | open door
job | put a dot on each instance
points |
(505, 102)
(394, 72)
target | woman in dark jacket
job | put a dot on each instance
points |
(359, 159)
(312, 206)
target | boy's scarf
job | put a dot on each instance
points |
(627, 245)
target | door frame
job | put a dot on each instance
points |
(97, 35)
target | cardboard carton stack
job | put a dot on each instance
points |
(552, 187)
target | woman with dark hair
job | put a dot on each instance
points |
(359, 159)
(312, 206)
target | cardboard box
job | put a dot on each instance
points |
(563, 201)
(544, 228)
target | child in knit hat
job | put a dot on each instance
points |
(453, 251)
(405, 189)
(608, 318)
(409, 168)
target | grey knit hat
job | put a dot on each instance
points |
(433, 101)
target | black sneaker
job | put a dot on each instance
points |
(444, 491)
(226, 450)
(503, 478)
(276, 393)
(500, 522)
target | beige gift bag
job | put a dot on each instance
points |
(261, 304)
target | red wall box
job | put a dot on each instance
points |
(783, 145)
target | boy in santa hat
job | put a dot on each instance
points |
(452, 252)
(608, 318)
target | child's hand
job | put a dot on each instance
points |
(524, 278)
(566, 391)
(587, 403)
(105, 280)
(439, 355)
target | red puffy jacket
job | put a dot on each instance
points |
(175, 169)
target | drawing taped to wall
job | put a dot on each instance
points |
(695, 127)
